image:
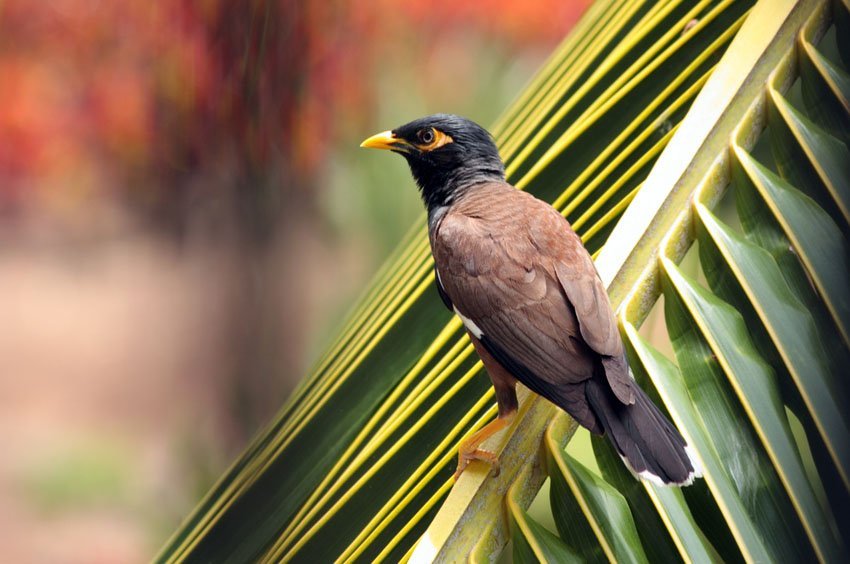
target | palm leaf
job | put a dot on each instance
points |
(688, 117)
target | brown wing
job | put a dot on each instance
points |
(587, 294)
(512, 266)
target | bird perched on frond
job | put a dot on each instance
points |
(511, 267)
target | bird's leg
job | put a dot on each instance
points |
(505, 387)
(469, 449)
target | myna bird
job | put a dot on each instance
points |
(511, 267)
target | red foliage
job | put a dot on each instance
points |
(112, 98)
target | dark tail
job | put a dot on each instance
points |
(647, 442)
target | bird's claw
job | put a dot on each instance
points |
(464, 458)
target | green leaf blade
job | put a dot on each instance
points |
(754, 382)
(604, 508)
(534, 543)
(747, 276)
(826, 91)
(671, 385)
(809, 233)
(811, 158)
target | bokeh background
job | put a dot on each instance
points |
(185, 219)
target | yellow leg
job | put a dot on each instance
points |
(469, 451)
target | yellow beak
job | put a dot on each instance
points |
(383, 140)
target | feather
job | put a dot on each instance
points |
(523, 284)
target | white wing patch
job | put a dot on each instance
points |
(469, 324)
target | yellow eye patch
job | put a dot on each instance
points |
(431, 138)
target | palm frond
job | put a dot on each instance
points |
(704, 122)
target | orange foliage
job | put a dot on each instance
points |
(110, 98)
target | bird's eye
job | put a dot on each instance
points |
(426, 136)
(430, 139)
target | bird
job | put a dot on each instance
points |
(513, 270)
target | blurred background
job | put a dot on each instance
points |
(185, 218)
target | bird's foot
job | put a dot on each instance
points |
(470, 450)
(464, 458)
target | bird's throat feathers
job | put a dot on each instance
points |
(440, 186)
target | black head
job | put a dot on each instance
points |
(447, 155)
